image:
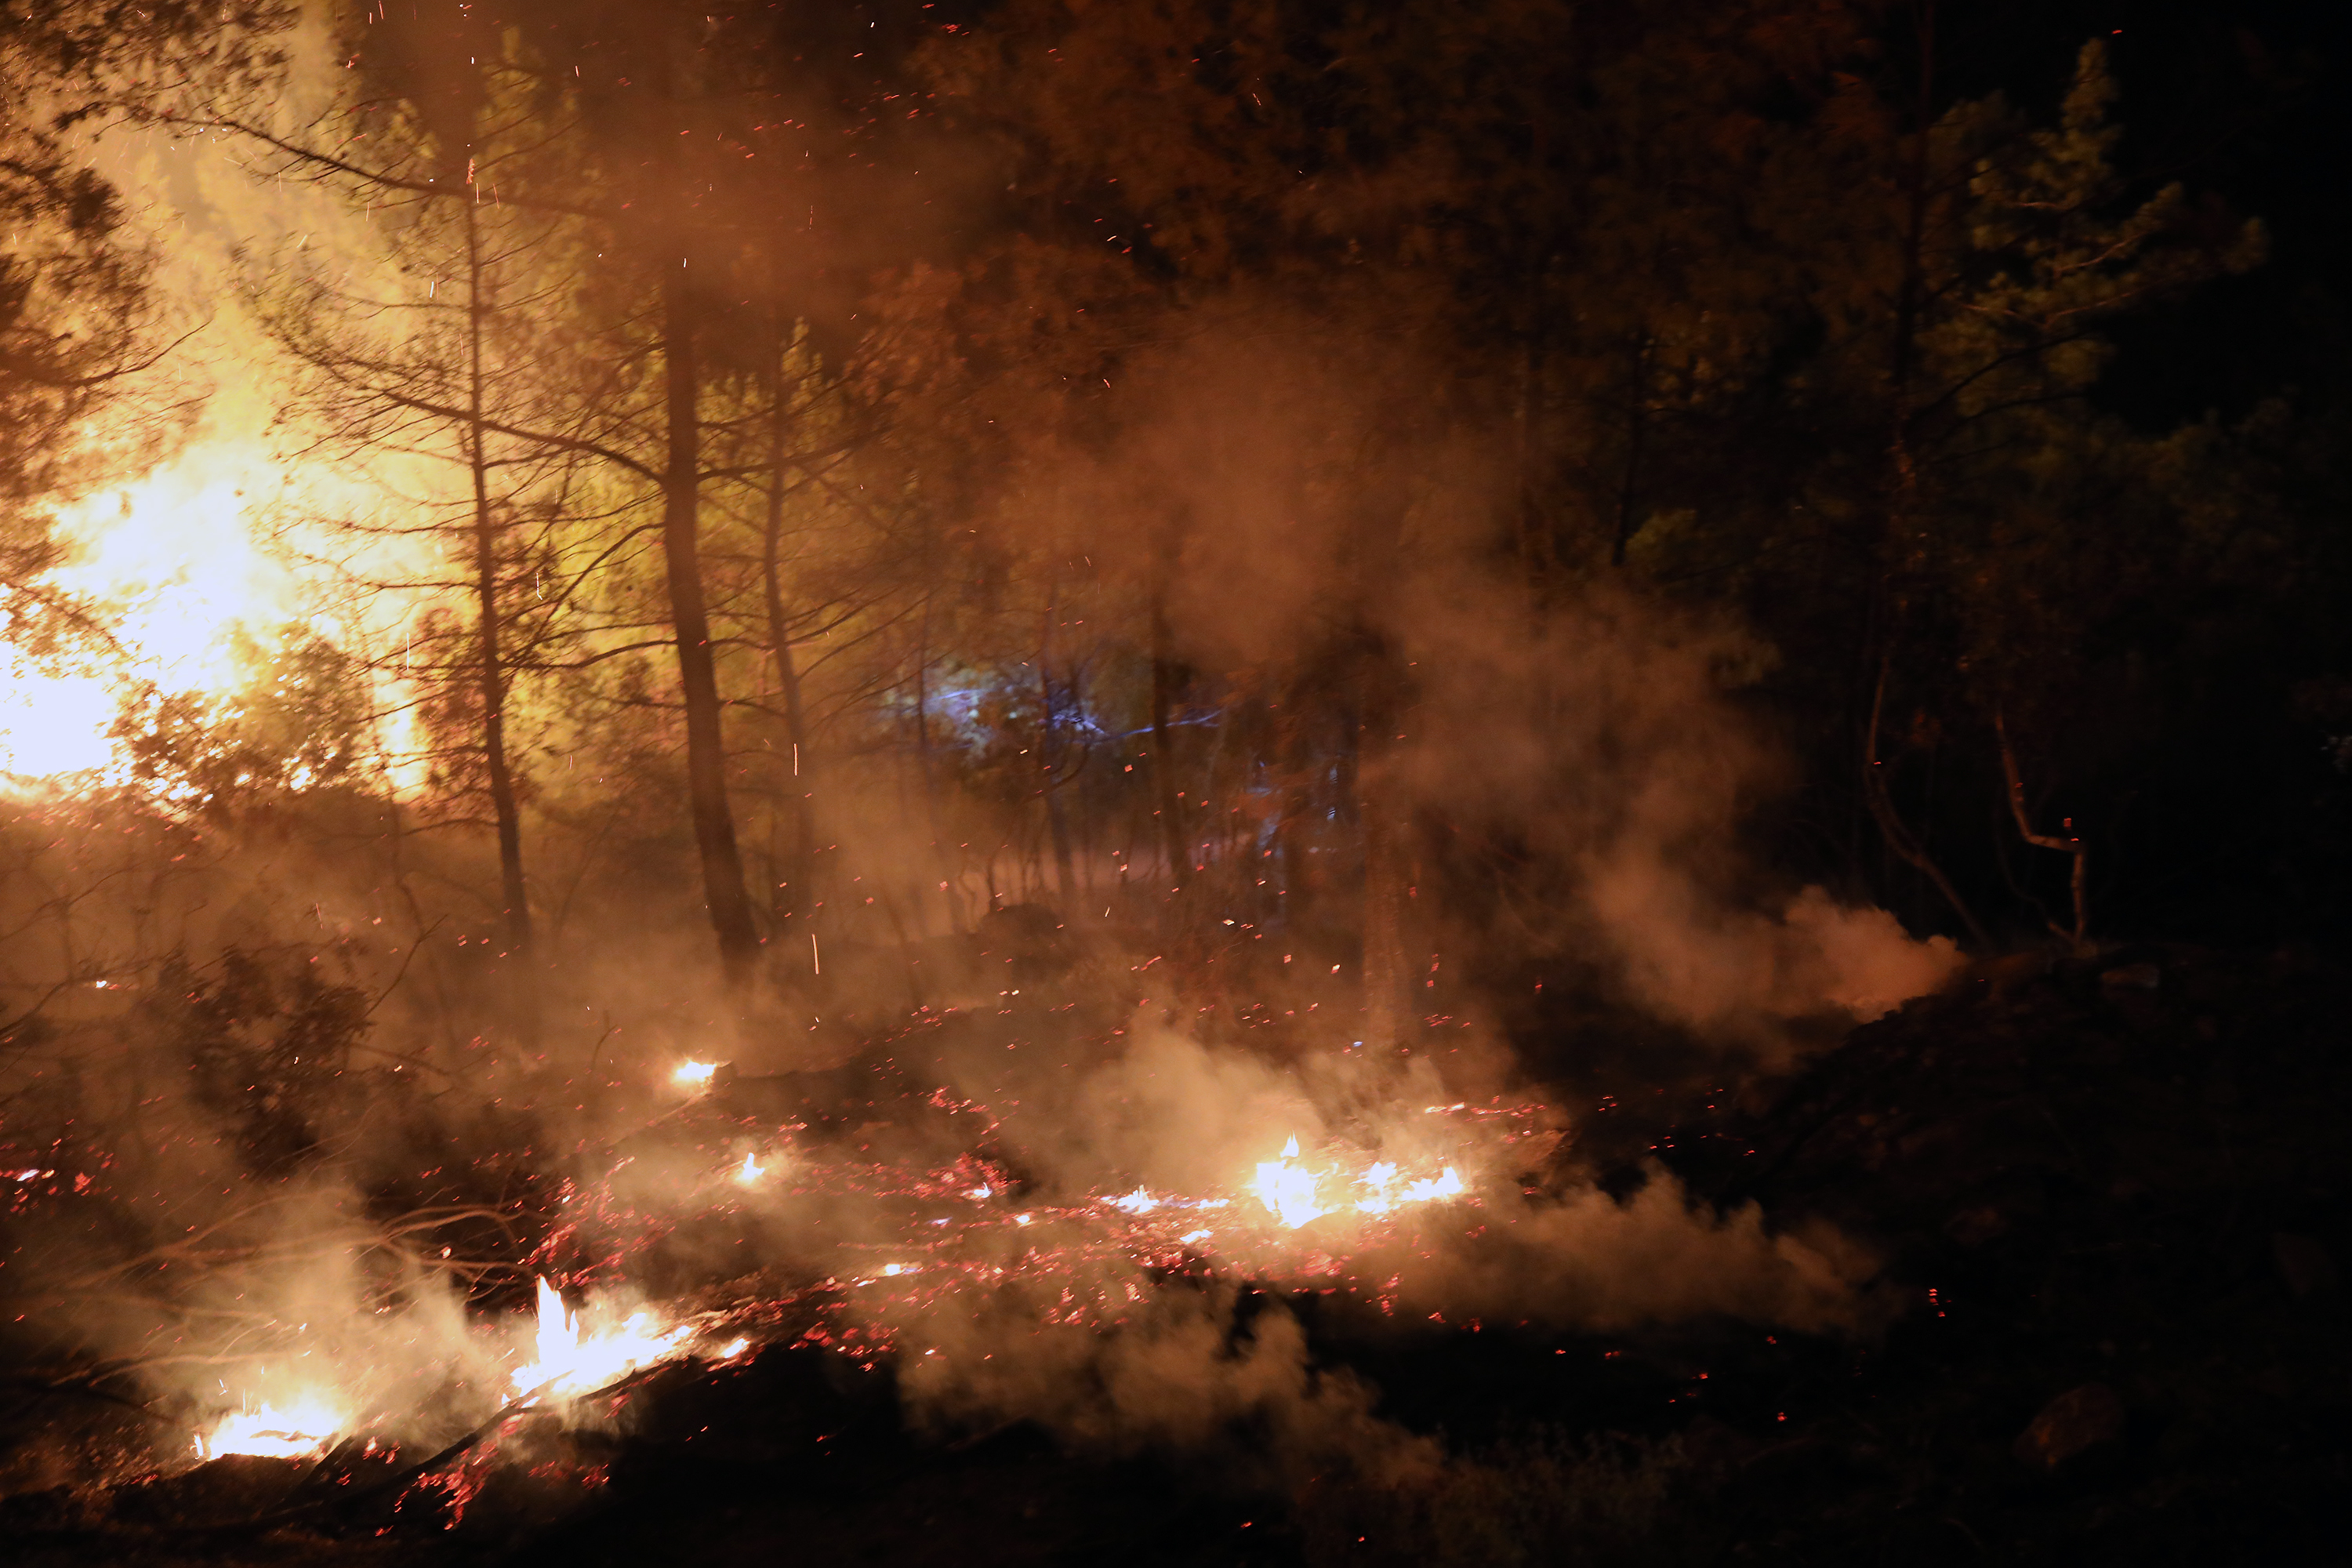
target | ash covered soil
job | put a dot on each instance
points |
(2108, 1200)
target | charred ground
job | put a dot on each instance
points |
(2111, 1329)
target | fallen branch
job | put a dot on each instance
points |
(2080, 935)
(1890, 823)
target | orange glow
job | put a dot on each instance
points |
(194, 595)
(53, 724)
(303, 1426)
(570, 1363)
(1292, 1194)
(1289, 1190)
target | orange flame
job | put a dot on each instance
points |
(1289, 1190)
(305, 1425)
(570, 1364)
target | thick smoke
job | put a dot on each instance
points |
(1593, 1262)
(1300, 512)
(1184, 1371)
(1295, 503)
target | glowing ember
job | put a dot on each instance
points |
(694, 1075)
(569, 1364)
(306, 1425)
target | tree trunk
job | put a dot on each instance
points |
(1383, 925)
(2078, 884)
(706, 755)
(1890, 823)
(514, 897)
(792, 892)
(1884, 614)
(951, 876)
(1637, 426)
(1172, 834)
(1058, 822)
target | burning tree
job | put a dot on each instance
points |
(1260, 704)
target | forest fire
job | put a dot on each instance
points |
(1553, 781)
(194, 605)
(867, 1307)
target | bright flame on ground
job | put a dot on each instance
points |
(1136, 1202)
(694, 1075)
(572, 1365)
(305, 1425)
(1446, 1185)
(749, 1171)
(1289, 1191)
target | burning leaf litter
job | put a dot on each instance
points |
(1097, 1254)
(304, 1425)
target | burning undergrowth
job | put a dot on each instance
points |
(1105, 1230)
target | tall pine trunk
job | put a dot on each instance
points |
(950, 874)
(1172, 834)
(1049, 756)
(705, 754)
(1895, 549)
(513, 894)
(792, 894)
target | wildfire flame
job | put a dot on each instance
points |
(1139, 1200)
(304, 1426)
(176, 558)
(1447, 1185)
(750, 1171)
(694, 1075)
(1290, 1191)
(570, 1364)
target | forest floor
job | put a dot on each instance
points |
(2111, 1205)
